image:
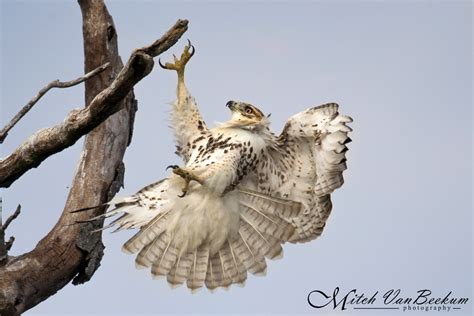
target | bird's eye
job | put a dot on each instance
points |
(248, 110)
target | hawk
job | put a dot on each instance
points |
(240, 194)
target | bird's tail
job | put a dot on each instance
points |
(188, 240)
(264, 224)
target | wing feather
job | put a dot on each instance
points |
(188, 125)
(305, 164)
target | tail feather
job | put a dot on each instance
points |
(226, 278)
(147, 234)
(217, 275)
(252, 259)
(213, 275)
(267, 245)
(198, 271)
(164, 263)
(232, 265)
(180, 271)
(149, 254)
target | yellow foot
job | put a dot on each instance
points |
(179, 64)
(186, 175)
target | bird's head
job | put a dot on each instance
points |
(244, 113)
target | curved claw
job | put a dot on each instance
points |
(191, 52)
(182, 195)
(162, 66)
(172, 167)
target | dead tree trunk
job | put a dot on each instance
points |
(69, 251)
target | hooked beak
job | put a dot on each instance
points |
(231, 105)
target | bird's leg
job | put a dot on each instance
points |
(187, 176)
(179, 65)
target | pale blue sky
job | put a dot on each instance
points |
(402, 70)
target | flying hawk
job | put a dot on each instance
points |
(241, 193)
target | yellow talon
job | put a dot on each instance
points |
(187, 176)
(180, 64)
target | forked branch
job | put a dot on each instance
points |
(42, 92)
(49, 141)
(5, 246)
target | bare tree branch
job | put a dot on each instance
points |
(49, 141)
(9, 243)
(166, 41)
(11, 218)
(71, 252)
(43, 91)
(5, 246)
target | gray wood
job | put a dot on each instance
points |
(69, 251)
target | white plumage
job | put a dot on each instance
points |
(246, 192)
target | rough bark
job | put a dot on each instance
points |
(69, 251)
(49, 141)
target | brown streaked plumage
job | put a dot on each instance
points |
(241, 193)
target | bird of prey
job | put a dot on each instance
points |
(240, 194)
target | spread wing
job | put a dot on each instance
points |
(214, 240)
(187, 124)
(305, 164)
